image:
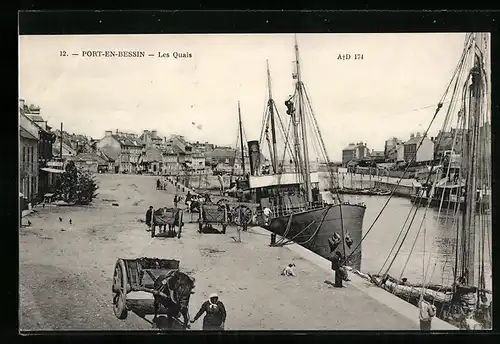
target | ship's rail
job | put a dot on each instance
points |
(286, 210)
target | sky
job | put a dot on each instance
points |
(392, 91)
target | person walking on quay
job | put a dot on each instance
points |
(267, 215)
(149, 217)
(176, 200)
(426, 313)
(187, 202)
(215, 314)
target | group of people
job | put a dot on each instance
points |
(161, 183)
(338, 266)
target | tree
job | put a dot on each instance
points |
(77, 186)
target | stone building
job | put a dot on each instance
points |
(124, 148)
(28, 159)
(353, 151)
(425, 146)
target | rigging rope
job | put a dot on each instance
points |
(325, 211)
(459, 70)
(313, 236)
(451, 109)
(439, 106)
(333, 180)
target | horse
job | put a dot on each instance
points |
(194, 206)
(173, 291)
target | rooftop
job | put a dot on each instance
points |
(127, 140)
(90, 157)
(414, 140)
(377, 153)
(35, 118)
(351, 146)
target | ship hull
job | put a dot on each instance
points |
(329, 219)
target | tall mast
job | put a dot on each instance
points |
(302, 119)
(471, 186)
(60, 143)
(271, 113)
(241, 140)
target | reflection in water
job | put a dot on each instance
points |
(437, 237)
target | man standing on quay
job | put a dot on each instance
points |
(426, 313)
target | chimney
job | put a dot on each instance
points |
(164, 139)
(418, 134)
(21, 103)
(412, 136)
(145, 131)
(153, 133)
(108, 133)
(117, 131)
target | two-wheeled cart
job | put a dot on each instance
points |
(212, 214)
(133, 285)
(167, 218)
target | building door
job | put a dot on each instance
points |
(117, 169)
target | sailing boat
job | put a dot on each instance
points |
(464, 300)
(241, 182)
(300, 213)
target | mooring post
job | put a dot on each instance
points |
(273, 239)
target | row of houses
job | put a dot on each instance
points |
(418, 148)
(36, 176)
(151, 153)
(44, 152)
(125, 152)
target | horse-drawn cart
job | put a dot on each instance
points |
(240, 213)
(167, 217)
(211, 214)
(134, 279)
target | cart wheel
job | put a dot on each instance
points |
(245, 217)
(120, 290)
(222, 201)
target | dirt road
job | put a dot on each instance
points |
(66, 270)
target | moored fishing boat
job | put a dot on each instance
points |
(319, 221)
(462, 298)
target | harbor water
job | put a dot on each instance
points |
(437, 238)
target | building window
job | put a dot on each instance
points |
(32, 159)
(33, 187)
(28, 159)
(24, 155)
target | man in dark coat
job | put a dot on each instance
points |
(216, 314)
(149, 216)
(338, 267)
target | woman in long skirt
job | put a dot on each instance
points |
(215, 314)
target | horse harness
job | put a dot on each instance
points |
(166, 288)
